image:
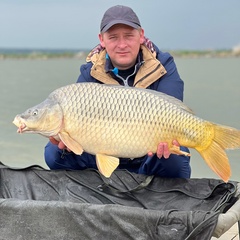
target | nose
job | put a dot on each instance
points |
(122, 42)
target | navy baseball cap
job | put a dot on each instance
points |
(119, 14)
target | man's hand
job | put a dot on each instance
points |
(60, 144)
(163, 150)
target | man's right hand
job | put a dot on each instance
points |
(60, 144)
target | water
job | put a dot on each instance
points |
(25, 83)
(211, 90)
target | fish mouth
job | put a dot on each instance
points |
(22, 127)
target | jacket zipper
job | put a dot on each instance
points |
(125, 81)
(140, 80)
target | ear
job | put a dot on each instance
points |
(142, 38)
(100, 36)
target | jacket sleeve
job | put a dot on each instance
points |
(85, 75)
(170, 83)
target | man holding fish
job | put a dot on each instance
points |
(126, 57)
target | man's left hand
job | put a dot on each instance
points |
(163, 149)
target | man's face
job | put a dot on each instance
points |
(122, 44)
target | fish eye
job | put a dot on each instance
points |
(35, 112)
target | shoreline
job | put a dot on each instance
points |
(82, 54)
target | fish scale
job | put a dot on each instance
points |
(115, 121)
(106, 127)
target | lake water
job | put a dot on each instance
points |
(212, 90)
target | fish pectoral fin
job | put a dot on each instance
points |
(106, 164)
(176, 150)
(71, 143)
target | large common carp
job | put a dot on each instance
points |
(115, 121)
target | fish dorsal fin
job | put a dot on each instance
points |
(71, 143)
(106, 164)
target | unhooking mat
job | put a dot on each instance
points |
(38, 204)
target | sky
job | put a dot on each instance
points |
(74, 24)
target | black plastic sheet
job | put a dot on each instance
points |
(43, 204)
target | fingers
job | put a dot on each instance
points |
(60, 144)
(162, 150)
(53, 140)
(176, 143)
(150, 154)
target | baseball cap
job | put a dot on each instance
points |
(119, 14)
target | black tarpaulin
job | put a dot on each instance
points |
(42, 204)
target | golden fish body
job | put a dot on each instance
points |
(114, 121)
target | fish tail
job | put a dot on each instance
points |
(215, 155)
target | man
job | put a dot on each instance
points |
(126, 57)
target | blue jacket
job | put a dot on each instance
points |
(157, 71)
(154, 70)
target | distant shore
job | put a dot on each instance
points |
(41, 54)
(205, 53)
(82, 54)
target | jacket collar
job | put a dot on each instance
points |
(109, 68)
(149, 68)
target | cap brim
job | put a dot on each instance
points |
(109, 25)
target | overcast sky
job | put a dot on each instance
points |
(74, 24)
